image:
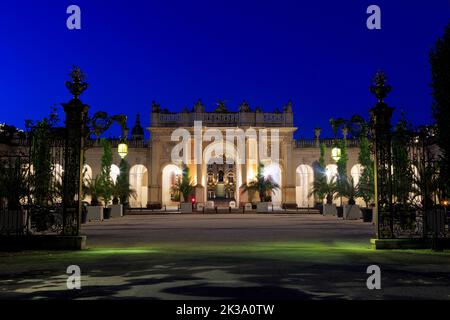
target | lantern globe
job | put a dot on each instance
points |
(122, 150)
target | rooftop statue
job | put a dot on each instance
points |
(156, 107)
(221, 108)
(199, 107)
(244, 107)
(288, 107)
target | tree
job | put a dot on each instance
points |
(92, 187)
(348, 189)
(356, 126)
(40, 157)
(365, 186)
(322, 189)
(185, 186)
(320, 178)
(402, 172)
(122, 189)
(264, 186)
(440, 75)
(342, 166)
(105, 181)
(366, 181)
(336, 124)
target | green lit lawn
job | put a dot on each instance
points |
(207, 259)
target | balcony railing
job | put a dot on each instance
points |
(311, 143)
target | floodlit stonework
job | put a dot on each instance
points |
(153, 172)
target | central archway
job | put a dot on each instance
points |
(228, 151)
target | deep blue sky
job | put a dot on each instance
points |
(317, 53)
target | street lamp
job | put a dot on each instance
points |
(445, 204)
(122, 149)
(336, 154)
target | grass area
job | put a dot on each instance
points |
(321, 252)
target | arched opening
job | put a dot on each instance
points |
(139, 183)
(303, 186)
(58, 172)
(170, 174)
(87, 172)
(222, 172)
(57, 184)
(273, 171)
(87, 178)
(331, 172)
(356, 173)
(416, 199)
(115, 172)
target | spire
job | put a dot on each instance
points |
(137, 133)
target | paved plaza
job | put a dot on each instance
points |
(224, 256)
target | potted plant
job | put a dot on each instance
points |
(347, 189)
(366, 181)
(323, 189)
(330, 189)
(125, 190)
(264, 186)
(185, 187)
(116, 208)
(92, 188)
(105, 180)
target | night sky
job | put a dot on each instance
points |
(317, 53)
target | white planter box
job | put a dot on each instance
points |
(95, 213)
(12, 222)
(263, 206)
(329, 210)
(116, 210)
(352, 212)
(186, 207)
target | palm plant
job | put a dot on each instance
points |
(184, 186)
(348, 189)
(92, 187)
(264, 186)
(121, 191)
(321, 188)
(336, 124)
(365, 189)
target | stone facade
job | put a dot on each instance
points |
(294, 172)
